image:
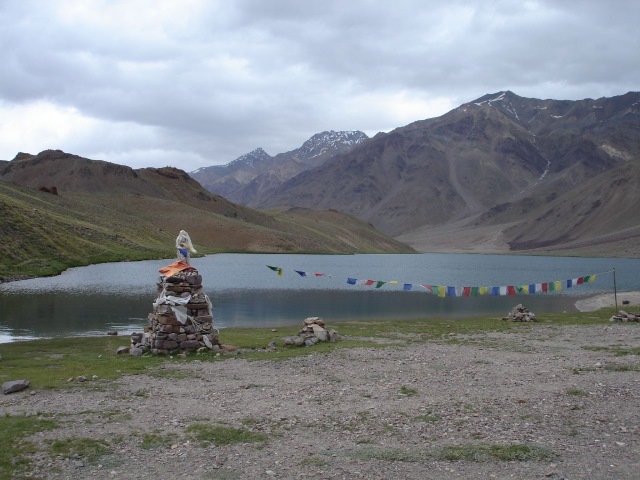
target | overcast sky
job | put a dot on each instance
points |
(193, 83)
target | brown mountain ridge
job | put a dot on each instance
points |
(106, 212)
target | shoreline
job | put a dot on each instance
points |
(604, 300)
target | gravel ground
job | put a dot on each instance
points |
(378, 413)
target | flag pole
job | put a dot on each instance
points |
(615, 290)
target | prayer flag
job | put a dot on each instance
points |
(379, 283)
(451, 291)
(369, 282)
(495, 291)
(407, 286)
(466, 291)
(558, 285)
(427, 288)
(532, 288)
(483, 290)
(442, 291)
(503, 290)
(545, 287)
(351, 281)
(302, 274)
(393, 282)
(474, 291)
(276, 269)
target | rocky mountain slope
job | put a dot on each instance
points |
(502, 172)
(252, 177)
(59, 210)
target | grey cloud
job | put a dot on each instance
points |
(251, 73)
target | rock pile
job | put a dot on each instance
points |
(520, 314)
(313, 331)
(181, 319)
(623, 316)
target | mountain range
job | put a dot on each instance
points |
(501, 173)
(253, 177)
(59, 210)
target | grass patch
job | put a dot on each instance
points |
(220, 435)
(404, 390)
(13, 446)
(622, 368)
(576, 392)
(618, 351)
(156, 440)
(467, 453)
(313, 461)
(87, 448)
(428, 418)
(488, 453)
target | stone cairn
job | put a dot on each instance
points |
(182, 319)
(623, 316)
(313, 331)
(520, 314)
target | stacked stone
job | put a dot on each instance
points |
(312, 332)
(623, 316)
(520, 314)
(165, 334)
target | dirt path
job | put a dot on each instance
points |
(564, 397)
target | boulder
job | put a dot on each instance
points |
(14, 386)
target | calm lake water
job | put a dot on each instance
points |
(118, 296)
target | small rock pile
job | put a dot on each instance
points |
(623, 316)
(312, 332)
(181, 320)
(520, 314)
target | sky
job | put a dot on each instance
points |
(194, 83)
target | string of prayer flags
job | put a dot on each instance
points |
(466, 291)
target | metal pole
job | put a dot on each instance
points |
(615, 290)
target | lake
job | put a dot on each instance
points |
(245, 293)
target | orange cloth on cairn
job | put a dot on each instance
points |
(174, 268)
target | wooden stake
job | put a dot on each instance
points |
(615, 290)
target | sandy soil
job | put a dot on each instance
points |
(375, 413)
(603, 300)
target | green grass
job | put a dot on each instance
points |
(576, 392)
(467, 453)
(207, 435)
(156, 440)
(404, 390)
(86, 448)
(50, 363)
(14, 449)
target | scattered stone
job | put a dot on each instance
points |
(520, 314)
(14, 386)
(122, 350)
(623, 316)
(81, 379)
